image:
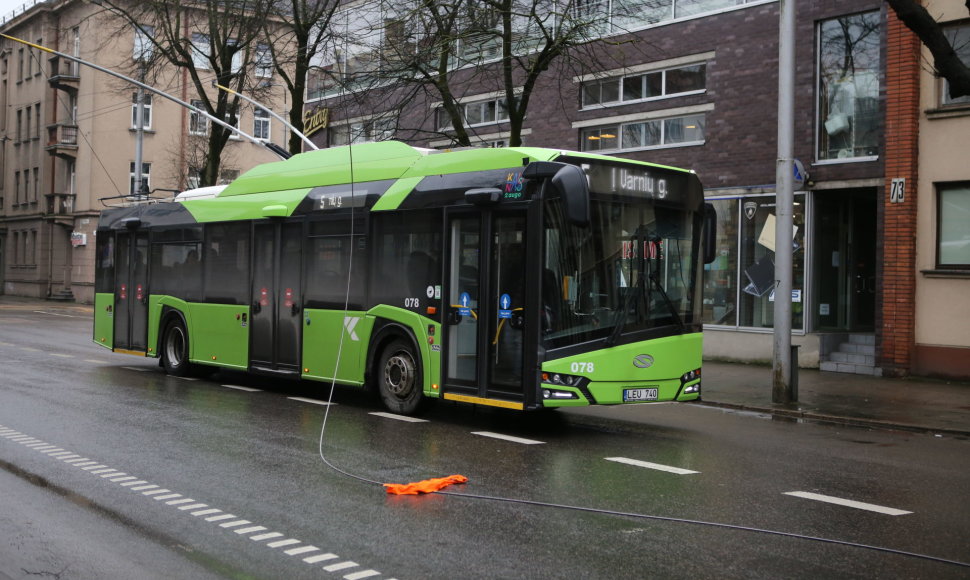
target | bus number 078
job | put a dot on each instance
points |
(412, 303)
(581, 367)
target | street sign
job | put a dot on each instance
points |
(801, 176)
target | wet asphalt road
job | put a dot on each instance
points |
(111, 469)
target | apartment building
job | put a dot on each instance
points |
(68, 138)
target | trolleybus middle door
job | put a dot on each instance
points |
(276, 300)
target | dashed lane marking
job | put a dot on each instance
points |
(96, 361)
(848, 503)
(508, 438)
(648, 465)
(139, 369)
(314, 401)
(238, 388)
(399, 417)
(61, 355)
(164, 496)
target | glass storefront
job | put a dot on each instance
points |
(739, 284)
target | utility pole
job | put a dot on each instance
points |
(139, 135)
(783, 368)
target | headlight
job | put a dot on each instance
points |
(554, 394)
(690, 376)
(560, 379)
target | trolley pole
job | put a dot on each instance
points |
(783, 390)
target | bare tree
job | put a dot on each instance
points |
(946, 61)
(210, 40)
(295, 38)
(393, 54)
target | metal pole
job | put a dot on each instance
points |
(782, 390)
(139, 135)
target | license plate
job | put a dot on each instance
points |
(648, 394)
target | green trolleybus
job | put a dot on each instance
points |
(522, 278)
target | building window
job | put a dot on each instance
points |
(146, 170)
(953, 217)
(624, 15)
(198, 123)
(739, 284)
(143, 49)
(647, 134)
(848, 91)
(959, 37)
(647, 86)
(363, 131)
(228, 120)
(476, 113)
(39, 121)
(36, 182)
(194, 178)
(261, 124)
(16, 187)
(146, 118)
(200, 51)
(264, 61)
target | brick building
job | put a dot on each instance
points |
(698, 89)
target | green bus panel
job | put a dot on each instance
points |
(104, 321)
(624, 367)
(322, 331)
(430, 353)
(219, 334)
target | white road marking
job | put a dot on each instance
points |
(508, 438)
(185, 504)
(648, 465)
(849, 503)
(238, 388)
(250, 530)
(62, 355)
(96, 361)
(314, 401)
(53, 314)
(139, 369)
(187, 378)
(341, 566)
(300, 550)
(29, 349)
(399, 417)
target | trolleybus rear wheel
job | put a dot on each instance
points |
(175, 349)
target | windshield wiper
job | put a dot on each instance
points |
(620, 319)
(668, 302)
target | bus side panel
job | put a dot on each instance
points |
(219, 334)
(430, 350)
(322, 332)
(156, 304)
(612, 370)
(104, 321)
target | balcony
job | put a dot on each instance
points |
(62, 140)
(60, 203)
(65, 74)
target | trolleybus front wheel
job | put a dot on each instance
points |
(175, 349)
(399, 378)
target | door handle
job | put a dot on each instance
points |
(257, 307)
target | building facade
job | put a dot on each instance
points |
(68, 136)
(695, 84)
(941, 222)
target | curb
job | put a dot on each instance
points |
(840, 420)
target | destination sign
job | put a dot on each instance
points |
(642, 182)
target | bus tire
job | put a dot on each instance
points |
(175, 349)
(399, 380)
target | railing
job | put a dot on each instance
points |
(61, 135)
(60, 203)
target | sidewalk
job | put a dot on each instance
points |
(912, 403)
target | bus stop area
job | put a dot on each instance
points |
(911, 404)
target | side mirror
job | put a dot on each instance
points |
(710, 233)
(569, 182)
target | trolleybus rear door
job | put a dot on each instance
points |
(131, 292)
(486, 289)
(276, 297)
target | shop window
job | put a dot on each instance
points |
(849, 65)
(953, 211)
(739, 284)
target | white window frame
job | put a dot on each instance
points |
(262, 125)
(146, 177)
(146, 119)
(196, 119)
(616, 125)
(200, 51)
(263, 62)
(959, 37)
(143, 48)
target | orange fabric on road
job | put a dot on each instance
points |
(426, 486)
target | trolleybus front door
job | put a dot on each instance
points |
(485, 318)
(276, 301)
(131, 292)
